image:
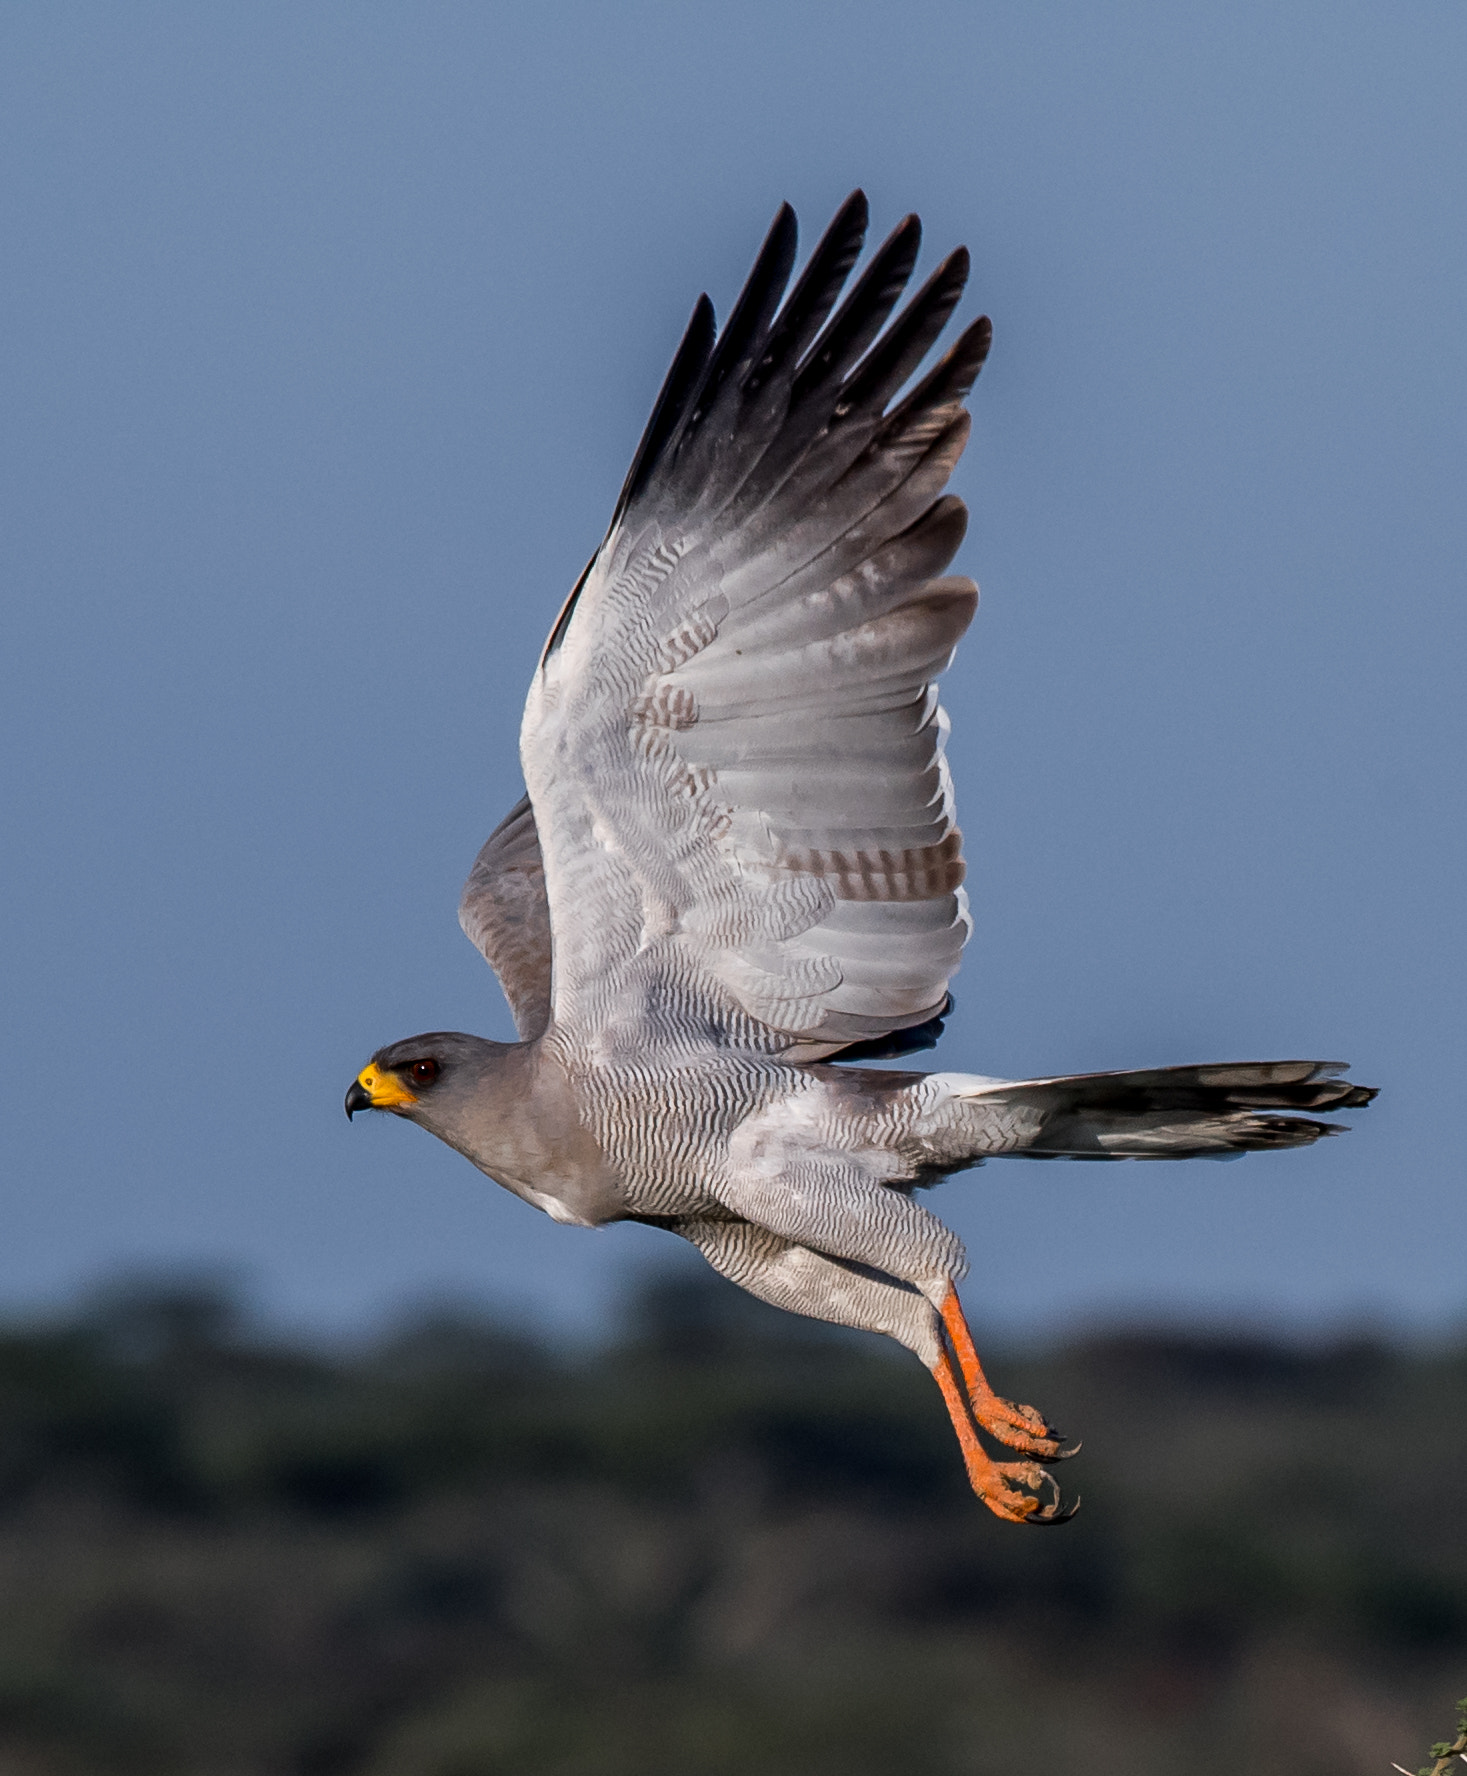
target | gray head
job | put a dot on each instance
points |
(434, 1080)
(506, 1106)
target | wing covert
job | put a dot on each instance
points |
(506, 917)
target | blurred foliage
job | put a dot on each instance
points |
(729, 1543)
(1445, 1752)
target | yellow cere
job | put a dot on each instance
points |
(385, 1089)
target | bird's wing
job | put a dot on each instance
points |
(506, 917)
(733, 742)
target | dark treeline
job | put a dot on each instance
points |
(727, 1543)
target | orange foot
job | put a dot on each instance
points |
(991, 1479)
(1021, 1427)
(1015, 1491)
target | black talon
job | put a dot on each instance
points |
(1054, 1512)
(1049, 1522)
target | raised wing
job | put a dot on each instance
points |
(733, 743)
(506, 916)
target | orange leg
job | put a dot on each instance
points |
(1021, 1427)
(990, 1479)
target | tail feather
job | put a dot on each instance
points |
(1170, 1112)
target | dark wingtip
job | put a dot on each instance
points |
(684, 374)
(746, 324)
(780, 245)
(854, 216)
(864, 311)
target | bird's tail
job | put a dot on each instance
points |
(1162, 1113)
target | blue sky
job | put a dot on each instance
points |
(326, 333)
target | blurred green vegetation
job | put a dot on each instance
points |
(728, 1543)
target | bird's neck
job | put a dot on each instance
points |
(521, 1126)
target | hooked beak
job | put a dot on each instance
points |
(374, 1088)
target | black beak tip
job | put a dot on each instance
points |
(356, 1099)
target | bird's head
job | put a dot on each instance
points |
(435, 1080)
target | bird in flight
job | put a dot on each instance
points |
(738, 867)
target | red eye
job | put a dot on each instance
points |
(424, 1072)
